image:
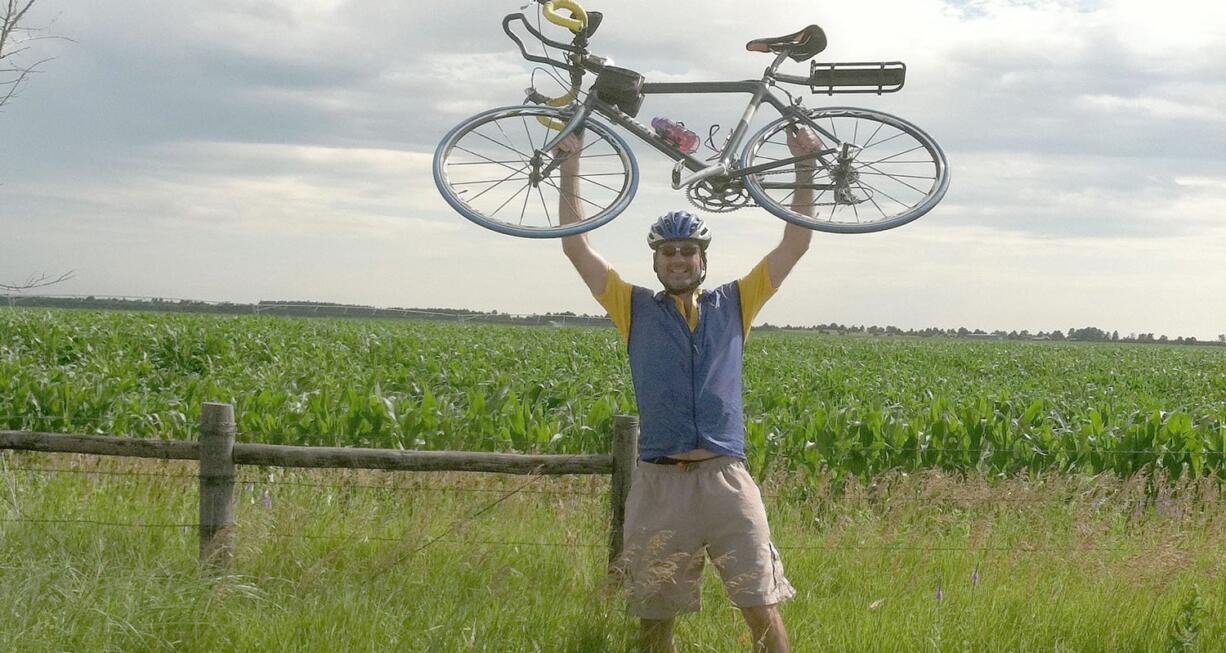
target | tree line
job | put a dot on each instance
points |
(300, 308)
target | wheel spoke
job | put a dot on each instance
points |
(521, 189)
(531, 143)
(869, 163)
(545, 206)
(523, 157)
(488, 181)
(896, 175)
(522, 211)
(491, 160)
(874, 202)
(500, 182)
(868, 143)
(498, 124)
(615, 190)
(882, 142)
(584, 199)
(479, 163)
(896, 178)
(878, 190)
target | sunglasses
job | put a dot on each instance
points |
(685, 250)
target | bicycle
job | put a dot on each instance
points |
(874, 171)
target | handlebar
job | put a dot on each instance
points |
(566, 47)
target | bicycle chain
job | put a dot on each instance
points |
(753, 203)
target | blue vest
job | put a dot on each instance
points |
(688, 385)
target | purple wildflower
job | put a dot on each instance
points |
(267, 499)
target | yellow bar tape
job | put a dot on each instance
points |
(576, 23)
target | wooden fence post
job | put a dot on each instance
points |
(216, 484)
(625, 457)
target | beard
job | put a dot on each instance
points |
(677, 284)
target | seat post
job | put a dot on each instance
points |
(770, 70)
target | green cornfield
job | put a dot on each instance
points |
(821, 405)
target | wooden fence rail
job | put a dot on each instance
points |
(218, 454)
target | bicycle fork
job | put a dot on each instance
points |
(542, 169)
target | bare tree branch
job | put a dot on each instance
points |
(37, 281)
(13, 39)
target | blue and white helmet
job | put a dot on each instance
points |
(679, 225)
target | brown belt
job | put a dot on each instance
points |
(665, 460)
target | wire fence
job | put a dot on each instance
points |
(1096, 501)
(865, 497)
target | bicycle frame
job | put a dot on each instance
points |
(890, 183)
(759, 91)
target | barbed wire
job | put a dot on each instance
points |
(101, 472)
(797, 493)
(93, 522)
(240, 480)
(1018, 548)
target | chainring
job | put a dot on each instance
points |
(724, 198)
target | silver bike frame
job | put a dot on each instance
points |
(759, 90)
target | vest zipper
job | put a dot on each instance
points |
(685, 324)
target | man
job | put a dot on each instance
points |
(691, 495)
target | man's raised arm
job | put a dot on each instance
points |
(795, 243)
(591, 266)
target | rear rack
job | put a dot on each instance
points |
(857, 77)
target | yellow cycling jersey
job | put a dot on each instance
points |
(755, 288)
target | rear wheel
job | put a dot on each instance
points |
(875, 171)
(491, 170)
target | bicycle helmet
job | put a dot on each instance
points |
(679, 225)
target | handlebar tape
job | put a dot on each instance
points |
(576, 23)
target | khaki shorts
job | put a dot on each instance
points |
(678, 515)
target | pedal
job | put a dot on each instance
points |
(680, 165)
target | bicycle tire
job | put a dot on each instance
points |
(893, 191)
(471, 160)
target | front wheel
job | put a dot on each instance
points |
(873, 172)
(491, 169)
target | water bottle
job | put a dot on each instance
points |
(676, 133)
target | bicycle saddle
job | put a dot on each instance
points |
(800, 46)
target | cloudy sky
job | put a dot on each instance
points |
(244, 150)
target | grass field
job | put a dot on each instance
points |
(926, 494)
(330, 561)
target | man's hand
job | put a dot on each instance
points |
(802, 141)
(567, 150)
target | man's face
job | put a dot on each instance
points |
(678, 264)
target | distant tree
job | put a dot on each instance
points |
(1221, 337)
(1057, 335)
(1115, 336)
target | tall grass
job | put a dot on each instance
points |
(330, 561)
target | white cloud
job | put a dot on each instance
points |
(1152, 107)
